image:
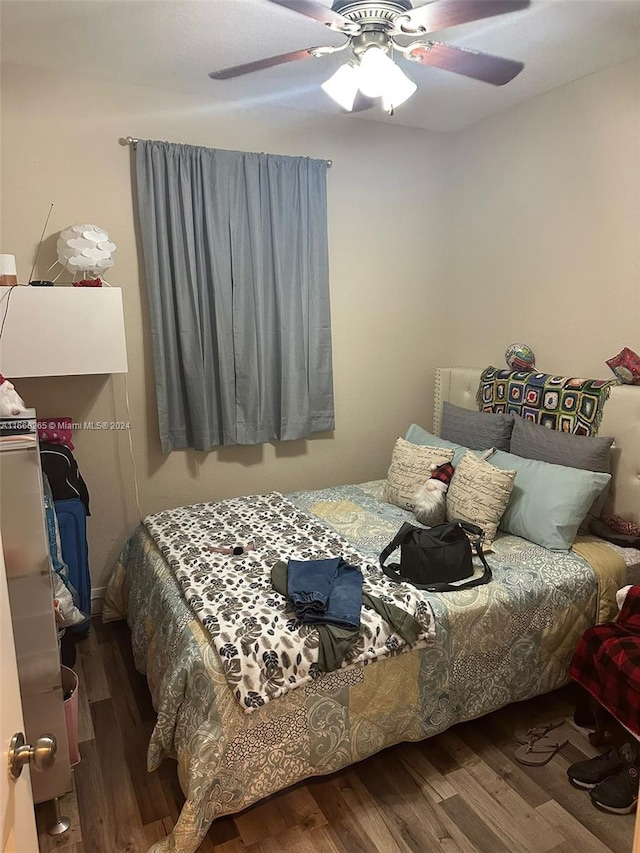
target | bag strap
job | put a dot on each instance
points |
(468, 527)
(393, 571)
(397, 540)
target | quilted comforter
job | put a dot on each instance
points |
(496, 644)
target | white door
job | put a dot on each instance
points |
(18, 826)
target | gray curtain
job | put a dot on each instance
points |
(236, 260)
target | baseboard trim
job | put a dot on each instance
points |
(97, 600)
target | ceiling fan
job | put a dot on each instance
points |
(372, 28)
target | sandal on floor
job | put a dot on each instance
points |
(541, 750)
(523, 734)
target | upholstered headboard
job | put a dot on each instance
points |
(621, 419)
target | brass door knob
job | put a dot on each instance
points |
(41, 756)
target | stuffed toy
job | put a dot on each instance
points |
(431, 498)
(11, 403)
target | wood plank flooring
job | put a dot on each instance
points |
(460, 792)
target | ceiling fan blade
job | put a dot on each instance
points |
(318, 12)
(480, 66)
(259, 64)
(449, 13)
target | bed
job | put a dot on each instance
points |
(479, 649)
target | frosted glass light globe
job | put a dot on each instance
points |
(85, 248)
(373, 70)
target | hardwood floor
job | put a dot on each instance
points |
(460, 792)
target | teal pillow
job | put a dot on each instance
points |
(548, 502)
(417, 435)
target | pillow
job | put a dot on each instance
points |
(626, 366)
(479, 493)
(476, 430)
(410, 468)
(417, 435)
(621, 525)
(591, 453)
(56, 431)
(548, 502)
(533, 441)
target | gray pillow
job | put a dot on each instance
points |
(532, 441)
(417, 435)
(477, 430)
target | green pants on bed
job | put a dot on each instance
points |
(336, 642)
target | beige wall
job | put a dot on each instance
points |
(523, 227)
(545, 234)
(387, 225)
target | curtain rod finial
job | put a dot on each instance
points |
(127, 140)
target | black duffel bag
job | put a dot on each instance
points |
(432, 558)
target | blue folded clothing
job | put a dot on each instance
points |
(325, 592)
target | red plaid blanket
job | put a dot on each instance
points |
(607, 663)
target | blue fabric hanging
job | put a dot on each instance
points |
(236, 259)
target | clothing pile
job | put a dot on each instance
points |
(63, 473)
(606, 664)
(328, 595)
(325, 592)
(67, 508)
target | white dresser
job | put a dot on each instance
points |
(26, 556)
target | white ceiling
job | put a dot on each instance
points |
(173, 44)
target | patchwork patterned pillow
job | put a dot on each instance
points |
(479, 493)
(626, 366)
(410, 468)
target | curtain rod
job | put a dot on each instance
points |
(131, 140)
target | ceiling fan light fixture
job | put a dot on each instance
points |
(398, 89)
(371, 28)
(342, 86)
(374, 70)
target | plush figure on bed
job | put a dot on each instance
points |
(11, 404)
(431, 498)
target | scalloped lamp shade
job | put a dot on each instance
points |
(85, 249)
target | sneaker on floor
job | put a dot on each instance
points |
(617, 794)
(589, 773)
(583, 715)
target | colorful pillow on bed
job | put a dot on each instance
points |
(476, 430)
(479, 493)
(548, 502)
(410, 468)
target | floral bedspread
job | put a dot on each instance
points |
(495, 644)
(265, 651)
